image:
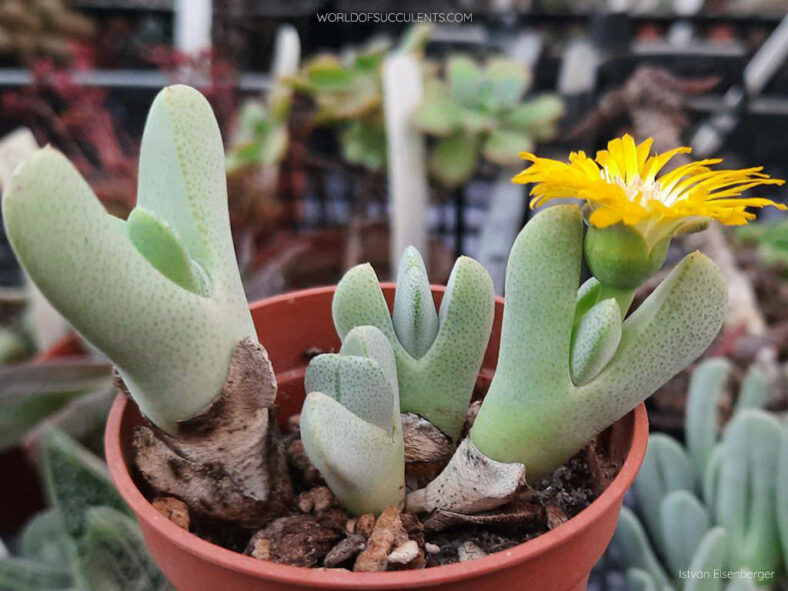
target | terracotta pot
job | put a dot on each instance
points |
(292, 327)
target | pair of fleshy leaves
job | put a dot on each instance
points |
(565, 374)
(438, 354)
(350, 422)
(160, 294)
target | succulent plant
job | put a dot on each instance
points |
(347, 92)
(568, 366)
(438, 354)
(350, 422)
(36, 394)
(782, 494)
(166, 275)
(771, 239)
(86, 540)
(736, 478)
(481, 112)
(160, 295)
(262, 134)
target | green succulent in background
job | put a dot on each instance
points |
(262, 136)
(73, 394)
(479, 112)
(712, 505)
(347, 93)
(350, 422)
(771, 239)
(87, 540)
(438, 353)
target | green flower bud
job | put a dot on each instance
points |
(619, 256)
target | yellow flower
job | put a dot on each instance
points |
(621, 186)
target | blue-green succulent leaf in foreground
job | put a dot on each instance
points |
(362, 464)
(350, 422)
(23, 574)
(415, 318)
(533, 413)
(357, 383)
(168, 323)
(439, 384)
(595, 340)
(163, 249)
(747, 489)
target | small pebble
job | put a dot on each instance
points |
(404, 553)
(432, 548)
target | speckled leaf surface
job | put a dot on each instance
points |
(363, 465)
(350, 422)
(438, 385)
(533, 413)
(172, 346)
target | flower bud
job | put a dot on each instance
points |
(619, 256)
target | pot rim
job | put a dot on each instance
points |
(328, 579)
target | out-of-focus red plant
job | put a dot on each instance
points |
(76, 119)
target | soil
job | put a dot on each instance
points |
(317, 532)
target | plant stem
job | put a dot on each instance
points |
(624, 297)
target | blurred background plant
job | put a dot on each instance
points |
(479, 113)
(87, 538)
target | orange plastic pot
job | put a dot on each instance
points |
(291, 327)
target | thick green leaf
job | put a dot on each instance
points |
(502, 146)
(595, 340)
(465, 80)
(666, 469)
(701, 428)
(684, 523)
(45, 540)
(163, 249)
(21, 574)
(710, 556)
(535, 114)
(415, 318)
(437, 114)
(632, 545)
(364, 143)
(505, 82)
(75, 480)
(453, 160)
(363, 465)
(114, 556)
(84, 262)
(747, 490)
